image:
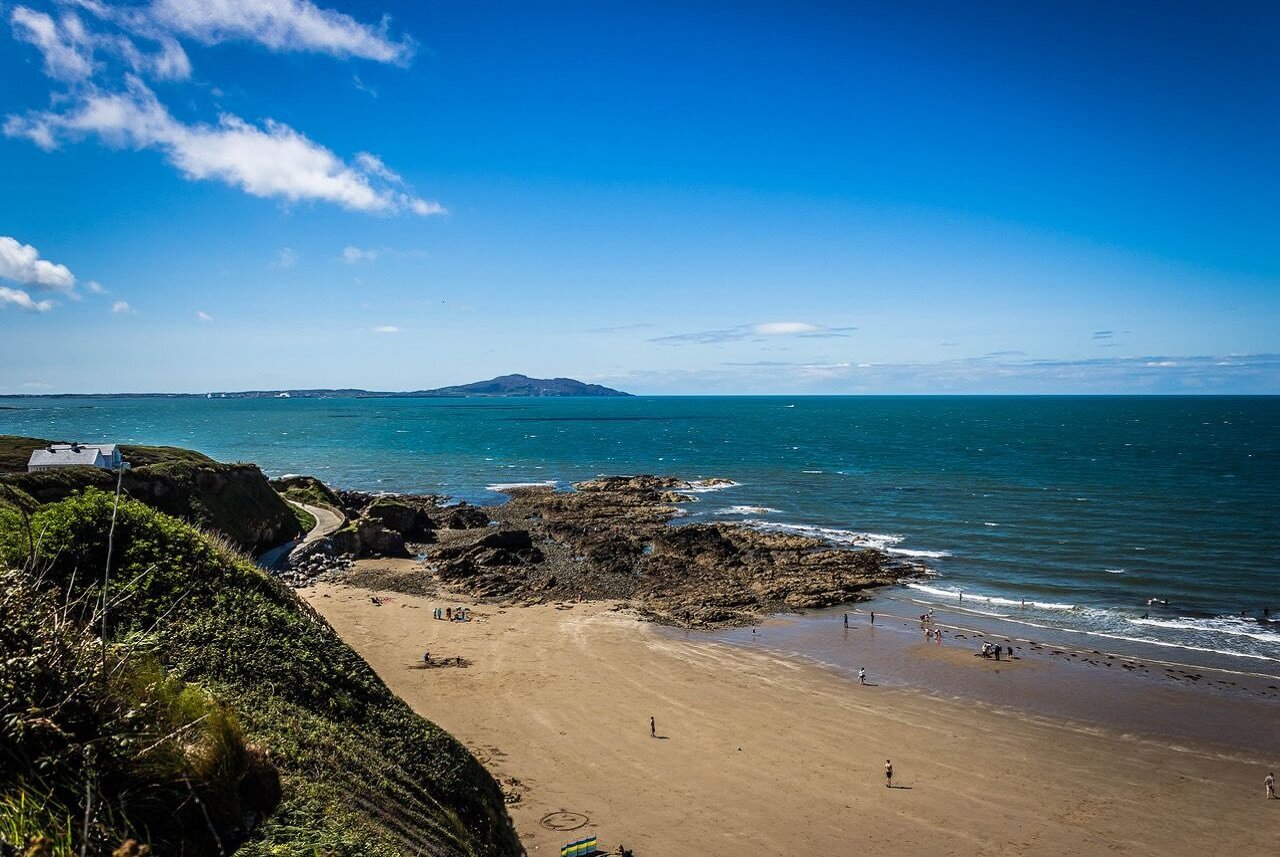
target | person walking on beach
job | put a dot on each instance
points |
(1270, 783)
(862, 675)
(888, 773)
(653, 728)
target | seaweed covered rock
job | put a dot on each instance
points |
(612, 537)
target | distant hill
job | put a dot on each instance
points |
(512, 386)
(523, 385)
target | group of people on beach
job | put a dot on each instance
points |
(930, 632)
(452, 614)
(993, 650)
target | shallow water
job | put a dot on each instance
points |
(1086, 507)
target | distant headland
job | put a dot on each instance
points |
(504, 386)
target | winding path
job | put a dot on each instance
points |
(327, 521)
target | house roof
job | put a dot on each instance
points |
(106, 448)
(90, 455)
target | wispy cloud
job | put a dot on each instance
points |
(352, 254)
(759, 331)
(104, 56)
(1249, 373)
(620, 328)
(286, 258)
(386, 328)
(271, 160)
(363, 87)
(281, 25)
(123, 308)
(22, 300)
(65, 43)
(203, 316)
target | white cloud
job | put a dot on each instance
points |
(22, 300)
(282, 25)
(95, 287)
(784, 328)
(374, 166)
(22, 264)
(269, 161)
(37, 385)
(123, 307)
(286, 258)
(203, 316)
(757, 331)
(67, 47)
(386, 328)
(169, 62)
(426, 207)
(352, 254)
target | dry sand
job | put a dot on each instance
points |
(761, 755)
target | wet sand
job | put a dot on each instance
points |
(760, 753)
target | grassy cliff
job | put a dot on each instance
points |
(222, 713)
(234, 499)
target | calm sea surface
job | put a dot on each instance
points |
(1084, 507)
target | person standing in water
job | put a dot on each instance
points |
(873, 617)
(888, 773)
(846, 620)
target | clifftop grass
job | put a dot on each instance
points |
(360, 773)
(234, 499)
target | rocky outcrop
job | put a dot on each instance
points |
(462, 517)
(387, 524)
(612, 538)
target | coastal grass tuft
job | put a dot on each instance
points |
(291, 728)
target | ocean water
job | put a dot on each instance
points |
(1057, 512)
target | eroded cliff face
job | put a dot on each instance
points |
(233, 499)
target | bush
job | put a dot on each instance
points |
(266, 678)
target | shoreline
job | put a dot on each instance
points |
(768, 753)
(1156, 700)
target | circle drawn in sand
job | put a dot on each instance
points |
(564, 821)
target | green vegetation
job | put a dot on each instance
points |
(15, 451)
(308, 490)
(306, 520)
(234, 499)
(217, 681)
(144, 456)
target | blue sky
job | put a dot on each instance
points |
(668, 198)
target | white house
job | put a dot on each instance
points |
(105, 456)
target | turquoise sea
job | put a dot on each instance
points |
(1086, 507)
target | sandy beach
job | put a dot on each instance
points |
(761, 754)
